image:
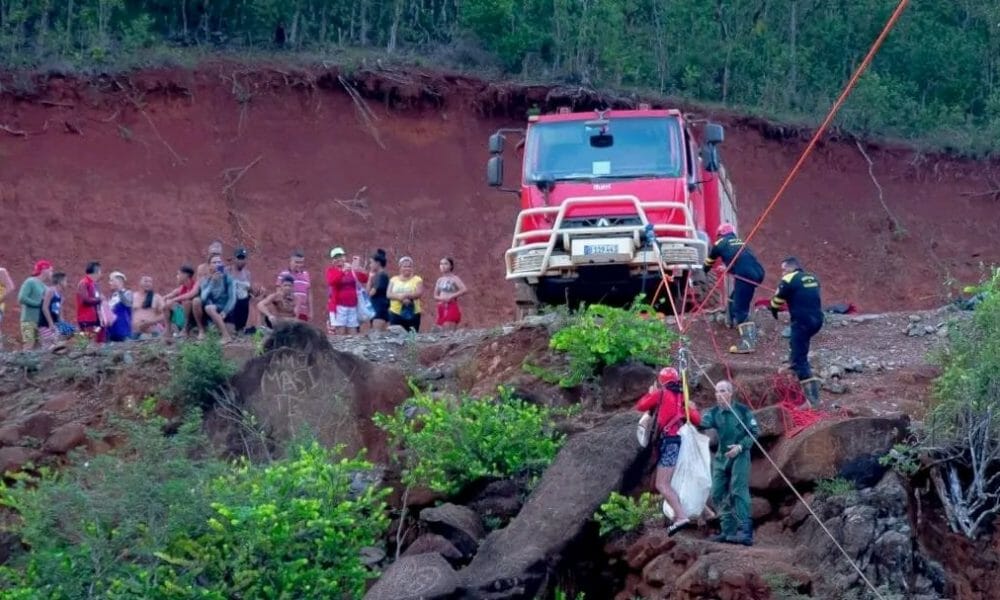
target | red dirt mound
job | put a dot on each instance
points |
(141, 172)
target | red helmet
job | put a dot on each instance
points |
(667, 375)
(725, 229)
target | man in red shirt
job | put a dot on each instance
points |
(343, 280)
(88, 303)
(667, 394)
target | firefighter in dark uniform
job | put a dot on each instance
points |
(748, 274)
(799, 290)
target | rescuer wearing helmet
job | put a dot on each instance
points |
(748, 274)
(668, 396)
(737, 428)
(799, 290)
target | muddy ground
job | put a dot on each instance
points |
(141, 170)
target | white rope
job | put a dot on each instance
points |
(789, 483)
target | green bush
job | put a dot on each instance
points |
(602, 336)
(624, 514)
(836, 486)
(448, 443)
(91, 523)
(292, 529)
(157, 521)
(962, 437)
(198, 373)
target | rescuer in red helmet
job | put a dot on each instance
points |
(747, 273)
(667, 399)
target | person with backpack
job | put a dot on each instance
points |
(666, 399)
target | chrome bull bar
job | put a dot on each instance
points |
(677, 246)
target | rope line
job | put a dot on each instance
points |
(818, 135)
(689, 355)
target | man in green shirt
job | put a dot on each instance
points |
(30, 297)
(731, 467)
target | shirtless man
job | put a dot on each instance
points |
(148, 312)
(177, 303)
(279, 306)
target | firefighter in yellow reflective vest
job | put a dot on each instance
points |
(747, 273)
(799, 291)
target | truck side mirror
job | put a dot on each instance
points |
(496, 143)
(710, 157)
(714, 134)
(494, 169)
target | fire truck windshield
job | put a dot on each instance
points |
(639, 147)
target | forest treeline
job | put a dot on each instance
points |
(936, 78)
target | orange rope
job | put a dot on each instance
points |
(818, 135)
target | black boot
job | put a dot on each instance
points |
(748, 338)
(744, 534)
(810, 389)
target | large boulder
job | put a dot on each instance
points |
(873, 527)
(690, 567)
(623, 385)
(425, 576)
(301, 384)
(459, 525)
(822, 450)
(66, 437)
(515, 561)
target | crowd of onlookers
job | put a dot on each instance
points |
(226, 298)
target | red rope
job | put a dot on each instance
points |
(817, 136)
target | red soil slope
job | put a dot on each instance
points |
(133, 172)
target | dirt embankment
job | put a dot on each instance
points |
(141, 171)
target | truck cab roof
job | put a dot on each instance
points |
(610, 114)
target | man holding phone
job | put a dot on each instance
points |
(343, 279)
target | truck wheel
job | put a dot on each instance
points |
(526, 300)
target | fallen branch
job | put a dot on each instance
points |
(357, 204)
(994, 192)
(897, 226)
(239, 172)
(14, 132)
(54, 103)
(141, 109)
(365, 114)
(72, 128)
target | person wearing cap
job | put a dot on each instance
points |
(343, 279)
(243, 286)
(737, 429)
(747, 273)
(6, 291)
(30, 297)
(800, 292)
(667, 399)
(120, 305)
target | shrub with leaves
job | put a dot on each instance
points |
(448, 443)
(90, 524)
(835, 486)
(602, 336)
(291, 529)
(199, 372)
(622, 514)
(963, 424)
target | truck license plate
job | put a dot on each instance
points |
(589, 249)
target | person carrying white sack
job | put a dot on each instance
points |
(666, 399)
